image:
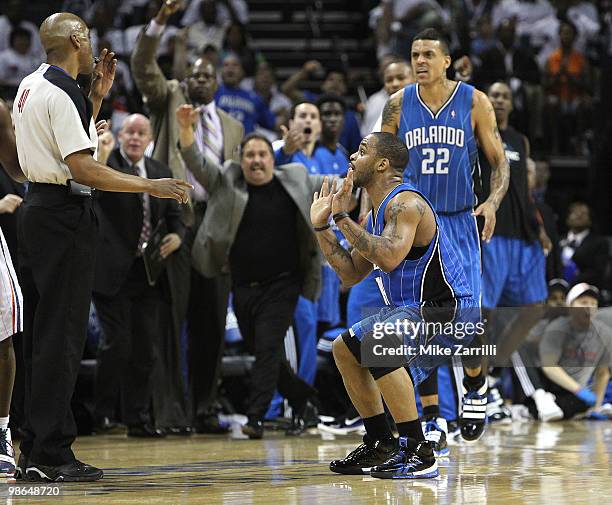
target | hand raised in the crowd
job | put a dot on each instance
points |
(9, 204)
(294, 138)
(103, 74)
(321, 207)
(187, 115)
(486, 210)
(463, 68)
(166, 10)
(106, 144)
(102, 126)
(312, 66)
(170, 243)
(170, 188)
(343, 199)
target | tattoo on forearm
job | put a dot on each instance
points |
(500, 177)
(338, 257)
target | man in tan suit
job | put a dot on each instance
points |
(218, 136)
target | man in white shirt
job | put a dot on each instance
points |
(13, 18)
(397, 75)
(56, 143)
(17, 61)
(376, 101)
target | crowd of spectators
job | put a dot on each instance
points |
(548, 51)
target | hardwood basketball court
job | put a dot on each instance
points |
(561, 463)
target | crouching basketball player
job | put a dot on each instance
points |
(420, 279)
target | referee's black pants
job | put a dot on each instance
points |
(132, 327)
(264, 313)
(57, 245)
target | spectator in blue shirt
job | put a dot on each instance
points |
(245, 106)
(300, 139)
(331, 154)
(305, 142)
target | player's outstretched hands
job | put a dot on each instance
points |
(170, 188)
(103, 74)
(187, 115)
(321, 207)
(343, 198)
(486, 210)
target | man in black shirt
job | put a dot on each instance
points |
(514, 261)
(257, 227)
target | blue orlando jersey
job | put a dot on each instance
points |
(433, 278)
(322, 162)
(443, 155)
(245, 106)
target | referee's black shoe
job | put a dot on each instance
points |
(369, 454)
(75, 471)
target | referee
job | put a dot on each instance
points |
(56, 144)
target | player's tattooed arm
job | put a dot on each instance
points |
(391, 112)
(351, 267)
(489, 140)
(388, 250)
(491, 143)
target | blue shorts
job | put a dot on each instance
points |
(462, 231)
(461, 321)
(514, 273)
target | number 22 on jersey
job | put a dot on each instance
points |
(435, 161)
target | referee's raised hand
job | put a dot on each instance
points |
(170, 188)
(103, 74)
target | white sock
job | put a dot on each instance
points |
(4, 422)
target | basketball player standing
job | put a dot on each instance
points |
(441, 122)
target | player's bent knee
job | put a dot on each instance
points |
(345, 350)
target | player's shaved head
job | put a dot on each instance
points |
(56, 30)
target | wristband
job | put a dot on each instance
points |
(322, 228)
(340, 215)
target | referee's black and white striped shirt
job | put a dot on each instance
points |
(53, 119)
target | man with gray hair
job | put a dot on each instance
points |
(133, 314)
